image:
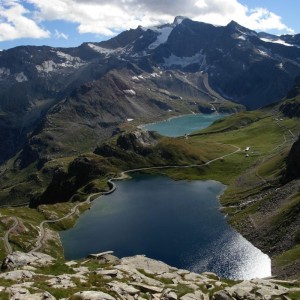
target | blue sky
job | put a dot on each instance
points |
(67, 23)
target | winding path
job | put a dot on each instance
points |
(6, 236)
(39, 242)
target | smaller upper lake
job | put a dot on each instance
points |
(179, 126)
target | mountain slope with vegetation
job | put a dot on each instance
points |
(69, 121)
(197, 67)
(260, 202)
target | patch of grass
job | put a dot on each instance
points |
(288, 213)
(92, 264)
(233, 122)
(273, 165)
(294, 295)
(60, 293)
(58, 268)
(163, 280)
(4, 296)
(183, 289)
(54, 249)
(24, 237)
(288, 257)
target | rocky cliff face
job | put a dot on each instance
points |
(293, 162)
(291, 106)
(105, 277)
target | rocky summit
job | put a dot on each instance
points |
(105, 277)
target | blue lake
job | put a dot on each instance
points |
(178, 222)
(179, 126)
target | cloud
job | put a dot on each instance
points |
(262, 19)
(107, 17)
(15, 23)
(60, 35)
(23, 18)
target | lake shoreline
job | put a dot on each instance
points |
(181, 182)
(169, 122)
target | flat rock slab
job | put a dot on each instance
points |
(145, 263)
(259, 289)
(108, 272)
(17, 275)
(99, 255)
(19, 259)
(122, 288)
(147, 288)
(62, 282)
(24, 294)
(198, 295)
(92, 295)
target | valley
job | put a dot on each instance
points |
(72, 124)
(252, 180)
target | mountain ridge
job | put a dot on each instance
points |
(238, 65)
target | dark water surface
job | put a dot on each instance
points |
(178, 222)
(179, 126)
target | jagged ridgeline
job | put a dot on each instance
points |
(51, 96)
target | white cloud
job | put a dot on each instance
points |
(60, 35)
(15, 23)
(22, 18)
(110, 16)
(262, 19)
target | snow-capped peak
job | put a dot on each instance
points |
(163, 34)
(164, 31)
(178, 20)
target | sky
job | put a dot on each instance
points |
(68, 23)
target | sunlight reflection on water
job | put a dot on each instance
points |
(233, 257)
(178, 222)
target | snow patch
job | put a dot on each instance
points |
(4, 72)
(280, 66)
(69, 62)
(101, 50)
(129, 120)
(174, 60)
(68, 57)
(279, 41)
(242, 37)
(21, 77)
(248, 33)
(154, 75)
(178, 20)
(129, 92)
(47, 66)
(163, 35)
(263, 53)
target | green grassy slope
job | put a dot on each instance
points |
(253, 177)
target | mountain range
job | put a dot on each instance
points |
(69, 118)
(66, 100)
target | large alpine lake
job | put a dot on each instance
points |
(178, 222)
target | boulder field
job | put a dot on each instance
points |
(36, 276)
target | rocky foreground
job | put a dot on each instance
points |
(37, 276)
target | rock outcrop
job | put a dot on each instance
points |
(293, 162)
(133, 278)
(19, 259)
